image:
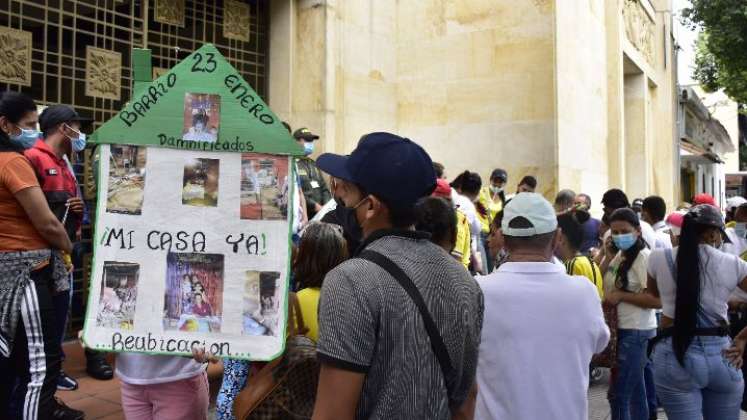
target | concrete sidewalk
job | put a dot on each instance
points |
(102, 399)
(98, 399)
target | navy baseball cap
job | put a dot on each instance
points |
(58, 114)
(390, 167)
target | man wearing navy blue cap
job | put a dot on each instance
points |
(379, 311)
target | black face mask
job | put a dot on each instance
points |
(345, 217)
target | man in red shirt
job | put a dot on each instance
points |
(60, 126)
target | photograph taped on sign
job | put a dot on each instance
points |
(194, 292)
(126, 179)
(118, 297)
(200, 182)
(201, 117)
(265, 190)
(261, 303)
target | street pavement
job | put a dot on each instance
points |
(599, 408)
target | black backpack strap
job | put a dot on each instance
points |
(569, 266)
(437, 343)
(593, 271)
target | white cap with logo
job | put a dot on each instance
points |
(532, 208)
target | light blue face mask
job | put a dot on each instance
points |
(80, 143)
(741, 230)
(25, 139)
(308, 147)
(625, 241)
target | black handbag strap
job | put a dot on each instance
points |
(437, 343)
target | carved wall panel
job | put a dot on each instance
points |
(236, 20)
(103, 73)
(15, 56)
(639, 29)
(170, 12)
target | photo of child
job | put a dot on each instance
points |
(194, 292)
(200, 182)
(264, 187)
(201, 117)
(118, 295)
(126, 179)
(261, 306)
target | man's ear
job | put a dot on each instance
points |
(557, 239)
(374, 204)
(376, 208)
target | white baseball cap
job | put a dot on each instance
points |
(734, 202)
(533, 208)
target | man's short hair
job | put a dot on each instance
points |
(529, 181)
(565, 198)
(401, 217)
(587, 199)
(655, 207)
(438, 168)
(615, 199)
(537, 242)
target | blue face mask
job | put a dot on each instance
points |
(80, 143)
(25, 139)
(308, 147)
(625, 241)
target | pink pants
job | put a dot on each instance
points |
(186, 399)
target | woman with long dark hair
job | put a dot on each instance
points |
(625, 283)
(31, 271)
(696, 367)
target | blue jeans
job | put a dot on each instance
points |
(707, 387)
(648, 378)
(628, 394)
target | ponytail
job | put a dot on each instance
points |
(686, 302)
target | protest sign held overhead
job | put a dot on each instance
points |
(194, 210)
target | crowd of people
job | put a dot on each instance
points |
(423, 297)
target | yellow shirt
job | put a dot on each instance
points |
(730, 224)
(462, 246)
(485, 199)
(308, 299)
(584, 266)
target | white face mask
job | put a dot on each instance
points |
(740, 229)
(496, 190)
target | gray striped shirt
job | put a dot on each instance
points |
(368, 324)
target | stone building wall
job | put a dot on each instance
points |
(533, 86)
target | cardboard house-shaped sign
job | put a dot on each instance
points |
(194, 211)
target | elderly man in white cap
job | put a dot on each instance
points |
(541, 326)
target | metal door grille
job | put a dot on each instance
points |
(62, 29)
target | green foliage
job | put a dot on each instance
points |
(721, 50)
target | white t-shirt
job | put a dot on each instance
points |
(145, 369)
(738, 247)
(720, 275)
(663, 240)
(631, 317)
(540, 329)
